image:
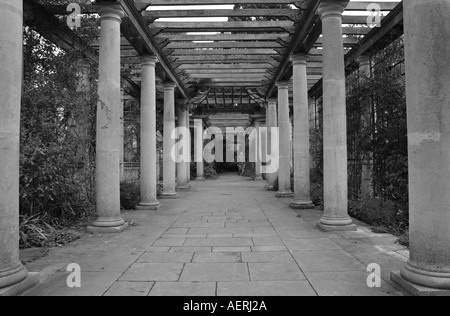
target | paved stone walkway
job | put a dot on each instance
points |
(225, 237)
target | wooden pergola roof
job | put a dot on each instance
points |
(230, 58)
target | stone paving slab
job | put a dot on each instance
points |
(267, 257)
(184, 289)
(265, 288)
(348, 283)
(218, 242)
(92, 284)
(153, 272)
(151, 257)
(218, 257)
(215, 272)
(125, 288)
(232, 249)
(225, 237)
(327, 261)
(275, 272)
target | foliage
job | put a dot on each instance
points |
(42, 231)
(377, 134)
(130, 195)
(57, 132)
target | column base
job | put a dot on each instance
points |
(270, 187)
(148, 206)
(200, 179)
(337, 228)
(414, 289)
(30, 281)
(13, 276)
(302, 205)
(259, 178)
(282, 195)
(107, 230)
(169, 196)
(183, 188)
(426, 278)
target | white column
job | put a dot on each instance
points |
(198, 143)
(11, 22)
(108, 123)
(427, 50)
(302, 196)
(367, 165)
(169, 172)
(334, 120)
(284, 174)
(149, 200)
(182, 166)
(258, 166)
(272, 121)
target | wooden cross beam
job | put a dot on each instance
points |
(275, 13)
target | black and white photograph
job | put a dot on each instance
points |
(230, 155)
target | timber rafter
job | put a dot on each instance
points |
(244, 51)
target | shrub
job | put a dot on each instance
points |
(41, 231)
(130, 195)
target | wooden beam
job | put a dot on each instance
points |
(90, 9)
(222, 37)
(234, 84)
(221, 45)
(143, 4)
(225, 71)
(230, 76)
(309, 19)
(225, 59)
(203, 52)
(183, 27)
(362, 6)
(221, 66)
(151, 44)
(275, 13)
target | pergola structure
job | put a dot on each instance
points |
(270, 59)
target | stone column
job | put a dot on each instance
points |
(198, 143)
(367, 166)
(108, 123)
(11, 22)
(334, 120)
(149, 200)
(169, 172)
(427, 47)
(182, 166)
(272, 121)
(302, 194)
(284, 174)
(258, 143)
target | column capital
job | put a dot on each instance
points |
(283, 85)
(149, 60)
(110, 10)
(169, 86)
(300, 58)
(332, 8)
